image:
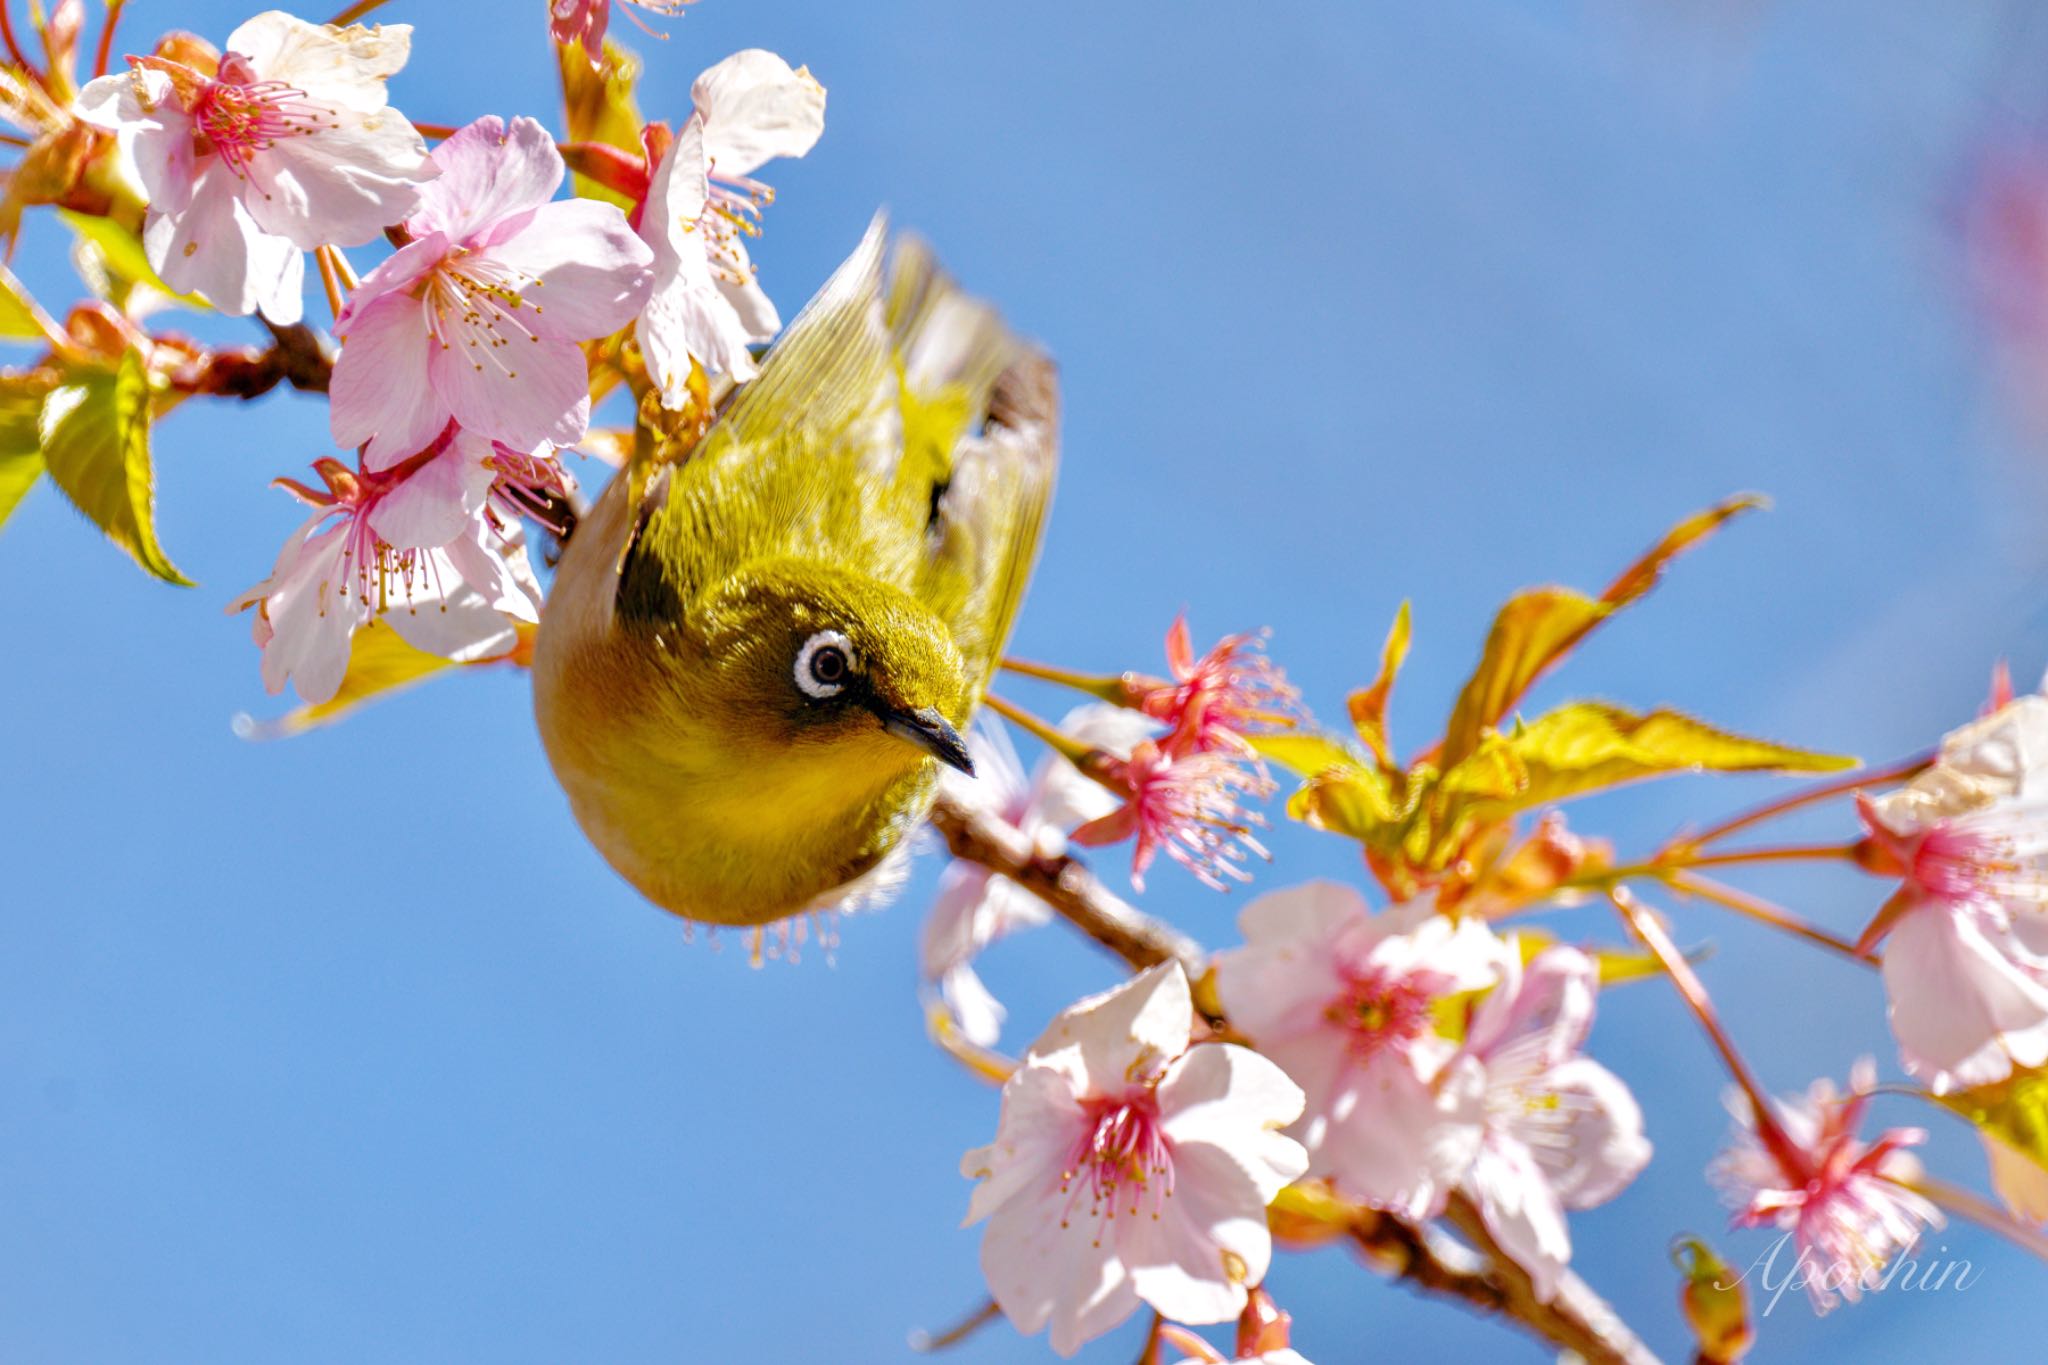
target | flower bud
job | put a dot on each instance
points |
(1713, 1302)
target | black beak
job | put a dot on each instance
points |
(931, 732)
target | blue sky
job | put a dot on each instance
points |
(351, 1049)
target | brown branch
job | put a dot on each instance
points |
(295, 356)
(1066, 885)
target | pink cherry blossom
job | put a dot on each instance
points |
(1561, 1131)
(1129, 1166)
(1847, 1204)
(1966, 967)
(585, 21)
(1350, 1005)
(703, 206)
(416, 544)
(1213, 703)
(477, 318)
(974, 906)
(1190, 805)
(288, 145)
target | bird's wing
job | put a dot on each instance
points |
(897, 426)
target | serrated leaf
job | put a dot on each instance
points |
(95, 439)
(598, 106)
(120, 254)
(2013, 1112)
(1539, 627)
(21, 319)
(1586, 746)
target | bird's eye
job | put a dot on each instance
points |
(823, 664)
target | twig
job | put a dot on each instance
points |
(1575, 1318)
(106, 48)
(1066, 885)
(296, 356)
(925, 1343)
(1894, 772)
(1756, 908)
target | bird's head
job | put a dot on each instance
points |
(837, 669)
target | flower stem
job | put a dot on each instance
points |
(1117, 691)
(14, 52)
(106, 48)
(1770, 810)
(1762, 911)
(986, 1063)
(355, 12)
(1981, 1211)
(325, 257)
(924, 1343)
(1066, 747)
(1777, 853)
(1645, 927)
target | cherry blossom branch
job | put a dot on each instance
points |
(355, 12)
(14, 51)
(1489, 1282)
(1762, 911)
(1065, 884)
(104, 53)
(1981, 1211)
(296, 356)
(1770, 810)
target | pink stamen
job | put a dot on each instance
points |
(1380, 1012)
(240, 116)
(1122, 1156)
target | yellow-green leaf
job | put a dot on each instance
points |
(1539, 627)
(380, 663)
(1368, 705)
(19, 471)
(1305, 752)
(118, 252)
(21, 442)
(1585, 746)
(598, 106)
(95, 437)
(21, 319)
(1351, 800)
(2012, 1113)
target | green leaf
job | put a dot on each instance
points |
(95, 436)
(1585, 746)
(118, 252)
(1368, 705)
(20, 318)
(1539, 627)
(2013, 1113)
(21, 443)
(598, 106)
(1305, 752)
(1351, 800)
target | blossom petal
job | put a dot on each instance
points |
(1522, 1213)
(489, 171)
(1403, 1144)
(756, 108)
(1962, 1009)
(380, 393)
(1234, 1098)
(1041, 1272)
(342, 68)
(1181, 1263)
(1111, 1039)
(1593, 1145)
(213, 247)
(400, 270)
(434, 504)
(594, 273)
(343, 185)
(523, 395)
(1553, 996)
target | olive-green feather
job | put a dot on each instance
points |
(897, 429)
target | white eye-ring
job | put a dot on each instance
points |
(824, 664)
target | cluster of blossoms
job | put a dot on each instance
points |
(462, 374)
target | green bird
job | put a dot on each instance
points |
(747, 675)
